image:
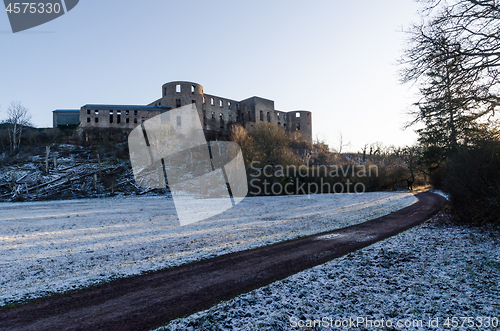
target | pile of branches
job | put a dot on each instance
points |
(81, 177)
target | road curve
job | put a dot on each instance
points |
(148, 301)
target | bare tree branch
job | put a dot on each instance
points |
(18, 117)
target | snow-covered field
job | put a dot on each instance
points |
(48, 247)
(444, 273)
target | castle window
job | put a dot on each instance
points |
(135, 112)
(96, 112)
(297, 114)
(88, 111)
(177, 102)
(192, 89)
(204, 101)
(118, 118)
(229, 105)
(126, 112)
(127, 120)
(135, 120)
(268, 116)
(164, 91)
(221, 118)
(278, 116)
(237, 106)
(221, 104)
(88, 119)
(213, 115)
(297, 127)
(179, 120)
(212, 101)
(178, 88)
(261, 115)
(111, 118)
(96, 119)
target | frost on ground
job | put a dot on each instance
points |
(441, 193)
(431, 271)
(48, 247)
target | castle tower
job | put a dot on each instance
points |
(181, 93)
(300, 121)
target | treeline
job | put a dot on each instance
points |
(453, 55)
(16, 131)
(279, 163)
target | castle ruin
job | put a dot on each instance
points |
(217, 114)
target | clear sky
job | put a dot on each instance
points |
(334, 58)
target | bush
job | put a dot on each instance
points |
(472, 178)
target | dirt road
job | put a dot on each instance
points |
(148, 301)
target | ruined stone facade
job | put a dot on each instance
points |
(117, 116)
(217, 114)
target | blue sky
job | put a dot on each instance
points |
(334, 58)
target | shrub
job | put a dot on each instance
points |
(473, 180)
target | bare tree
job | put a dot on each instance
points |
(241, 136)
(18, 117)
(471, 29)
(454, 57)
(272, 142)
(342, 143)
